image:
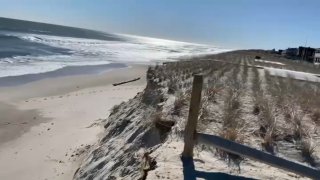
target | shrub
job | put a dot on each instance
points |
(316, 116)
(231, 111)
(172, 85)
(231, 134)
(245, 72)
(115, 109)
(211, 93)
(179, 103)
(307, 148)
(268, 141)
(267, 114)
(204, 117)
(268, 126)
(256, 109)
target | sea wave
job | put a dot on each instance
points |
(60, 52)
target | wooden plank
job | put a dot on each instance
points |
(191, 124)
(117, 84)
(245, 151)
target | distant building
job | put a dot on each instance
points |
(302, 53)
(316, 58)
(290, 52)
(306, 53)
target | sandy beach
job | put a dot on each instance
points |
(47, 125)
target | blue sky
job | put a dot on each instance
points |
(224, 23)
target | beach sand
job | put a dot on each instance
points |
(46, 126)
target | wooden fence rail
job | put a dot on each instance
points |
(245, 151)
(230, 146)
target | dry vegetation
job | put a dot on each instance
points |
(287, 109)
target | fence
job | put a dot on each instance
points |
(230, 146)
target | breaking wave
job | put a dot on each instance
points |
(26, 53)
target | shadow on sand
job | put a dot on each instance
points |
(190, 173)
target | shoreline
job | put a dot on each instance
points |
(50, 123)
(47, 85)
(9, 81)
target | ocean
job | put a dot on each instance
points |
(32, 48)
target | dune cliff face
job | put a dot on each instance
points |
(129, 133)
(143, 137)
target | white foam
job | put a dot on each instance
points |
(90, 52)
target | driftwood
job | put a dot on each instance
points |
(124, 82)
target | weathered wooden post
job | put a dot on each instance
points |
(191, 124)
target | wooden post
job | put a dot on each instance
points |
(191, 124)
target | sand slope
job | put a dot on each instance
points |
(68, 124)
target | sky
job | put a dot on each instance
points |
(238, 24)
